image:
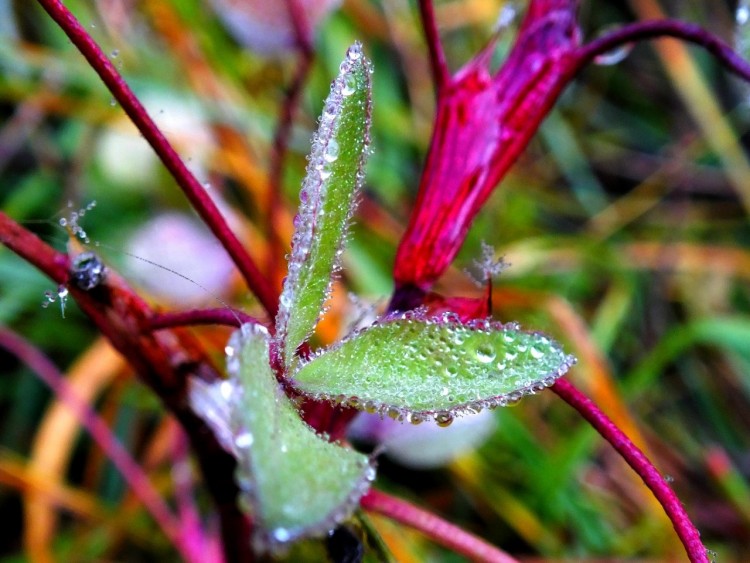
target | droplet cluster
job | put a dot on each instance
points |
(71, 221)
(335, 174)
(414, 369)
(51, 297)
(487, 265)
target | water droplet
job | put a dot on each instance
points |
(115, 53)
(350, 85)
(226, 389)
(62, 292)
(324, 174)
(285, 300)
(244, 440)
(485, 354)
(63, 222)
(444, 391)
(332, 151)
(669, 479)
(451, 371)
(509, 337)
(512, 400)
(742, 16)
(510, 356)
(112, 102)
(507, 16)
(444, 419)
(355, 52)
(281, 534)
(393, 413)
(370, 473)
(354, 403)
(88, 271)
(536, 353)
(229, 351)
(415, 418)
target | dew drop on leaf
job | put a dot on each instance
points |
(444, 419)
(485, 354)
(332, 151)
(244, 440)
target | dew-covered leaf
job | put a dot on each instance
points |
(439, 368)
(328, 197)
(293, 482)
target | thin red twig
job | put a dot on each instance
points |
(438, 64)
(133, 474)
(656, 29)
(303, 43)
(163, 362)
(685, 529)
(440, 531)
(221, 316)
(192, 188)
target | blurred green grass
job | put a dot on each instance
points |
(620, 209)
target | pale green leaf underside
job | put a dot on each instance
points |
(328, 197)
(294, 482)
(433, 367)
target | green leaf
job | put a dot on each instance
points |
(328, 198)
(421, 368)
(293, 482)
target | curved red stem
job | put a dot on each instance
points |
(303, 43)
(192, 188)
(438, 65)
(655, 29)
(634, 457)
(439, 530)
(133, 474)
(222, 316)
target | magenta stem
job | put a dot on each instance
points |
(440, 531)
(685, 529)
(221, 316)
(193, 534)
(655, 29)
(103, 436)
(303, 42)
(192, 188)
(438, 64)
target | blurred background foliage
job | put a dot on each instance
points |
(625, 222)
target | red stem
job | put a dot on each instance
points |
(192, 188)
(655, 29)
(163, 362)
(437, 56)
(222, 316)
(104, 437)
(283, 132)
(442, 532)
(685, 529)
